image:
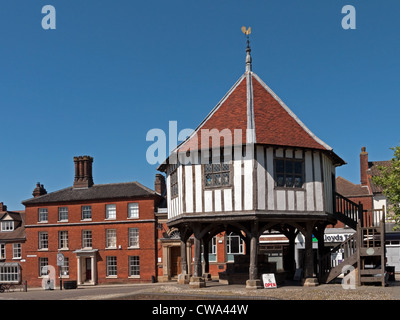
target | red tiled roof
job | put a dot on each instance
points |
(348, 189)
(230, 114)
(275, 123)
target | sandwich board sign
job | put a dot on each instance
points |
(268, 280)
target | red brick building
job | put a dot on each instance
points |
(106, 233)
(12, 239)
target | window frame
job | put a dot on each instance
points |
(111, 238)
(63, 240)
(43, 240)
(7, 226)
(134, 266)
(229, 238)
(62, 212)
(214, 171)
(17, 250)
(86, 239)
(173, 181)
(111, 208)
(10, 273)
(65, 268)
(133, 234)
(291, 174)
(41, 265)
(111, 267)
(84, 211)
(136, 210)
(43, 212)
(2, 251)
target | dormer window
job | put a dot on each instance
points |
(289, 173)
(7, 225)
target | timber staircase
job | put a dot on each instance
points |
(364, 251)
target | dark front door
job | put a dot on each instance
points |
(175, 261)
(88, 269)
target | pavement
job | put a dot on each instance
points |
(213, 291)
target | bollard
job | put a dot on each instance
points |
(26, 286)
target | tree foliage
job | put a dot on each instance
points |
(389, 181)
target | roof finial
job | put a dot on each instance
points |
(248, 50)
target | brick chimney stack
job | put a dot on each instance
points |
(364, 166)
(83, 172)
(3, 207)
(39, 190)
(159, 184)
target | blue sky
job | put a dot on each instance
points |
(113, 70)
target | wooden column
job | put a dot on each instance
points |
(183, 277)
(253, 282)
(205, 255)
(197, 269)
(320, 235)
(183, 257)
(289, 262)
(197, 281)
(310, 280)
(206, 258)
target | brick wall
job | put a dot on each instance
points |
(98, 225)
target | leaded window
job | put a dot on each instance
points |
(217, 174)
(289, 173)
(174, 183)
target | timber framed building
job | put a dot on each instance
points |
(252, 166)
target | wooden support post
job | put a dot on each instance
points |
(197, 281)
(197, 269)
(319, 234)
(183, 278)
(183, 257)
(309, 280)
(254, 282)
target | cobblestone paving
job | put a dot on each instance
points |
(322, 292)
(212, 291)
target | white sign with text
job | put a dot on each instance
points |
(268, 280)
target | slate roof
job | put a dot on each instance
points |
(19, 231)
(96, 192)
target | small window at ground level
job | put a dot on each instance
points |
(111, 266)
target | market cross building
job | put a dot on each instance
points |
(258, 168)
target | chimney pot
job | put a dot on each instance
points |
(39, 190)
(83, 172)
